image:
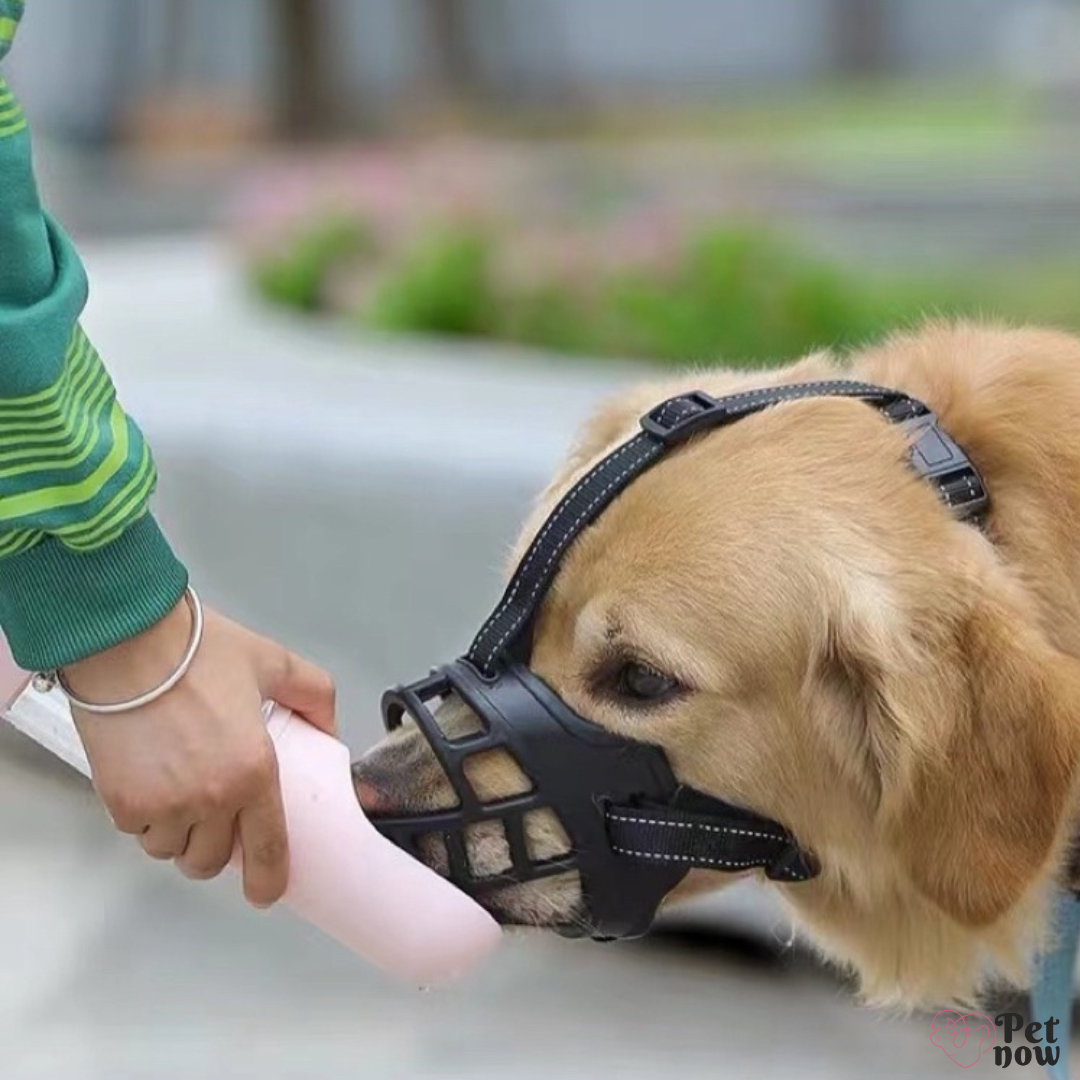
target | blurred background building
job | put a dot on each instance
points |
(304, 67)
(959, 112)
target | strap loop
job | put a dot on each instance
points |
(731, 841)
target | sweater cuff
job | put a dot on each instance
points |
(58, 605)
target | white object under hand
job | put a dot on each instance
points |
(344, 877)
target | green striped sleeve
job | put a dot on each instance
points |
(12, 120)
(10, 14)
(83, 564)
(71, 463)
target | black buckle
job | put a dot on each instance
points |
(937, 458)
(680, 417)
(902, 409)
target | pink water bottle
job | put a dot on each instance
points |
(344, 877)
(353, 883)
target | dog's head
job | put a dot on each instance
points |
(798, 622)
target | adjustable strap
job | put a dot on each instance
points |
(729, 842)
(581, 506)
(934, 456)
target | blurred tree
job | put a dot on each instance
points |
(860, 37)
(476, 55)
(308, 106)
(451, 71)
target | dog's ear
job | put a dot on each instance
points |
(977, 741)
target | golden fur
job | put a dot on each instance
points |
(899, 689)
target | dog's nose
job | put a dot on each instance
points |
(372, 790)
(371, 799)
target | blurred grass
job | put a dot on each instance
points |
(296, 279)
(731, 295)
(853, 122)
(852, 107)
(443, 285)
(856, 130)
(743, 294)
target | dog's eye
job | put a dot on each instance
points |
(640, 682)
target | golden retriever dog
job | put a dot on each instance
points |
(797, 620)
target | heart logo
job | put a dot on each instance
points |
(962, 1037)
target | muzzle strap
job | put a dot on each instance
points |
(933, 455)
(728, 842)
(580, 508)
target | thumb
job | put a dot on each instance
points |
(299, 685)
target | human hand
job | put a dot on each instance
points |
(194, 771)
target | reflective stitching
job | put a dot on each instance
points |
(838, 388)
(633, 444)
(699, 825)
(535, 546)
(683, 413)
(731, 864)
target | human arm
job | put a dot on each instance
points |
(90, 585)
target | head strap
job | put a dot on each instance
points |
(933, 455)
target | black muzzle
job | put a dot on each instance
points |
(634, 830)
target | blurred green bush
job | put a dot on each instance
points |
(736, 296)
(442, 286)
(296, 276)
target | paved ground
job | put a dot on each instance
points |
(115, 969)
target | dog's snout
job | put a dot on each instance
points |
(402, 775)
(373, 799)
(380, 780)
